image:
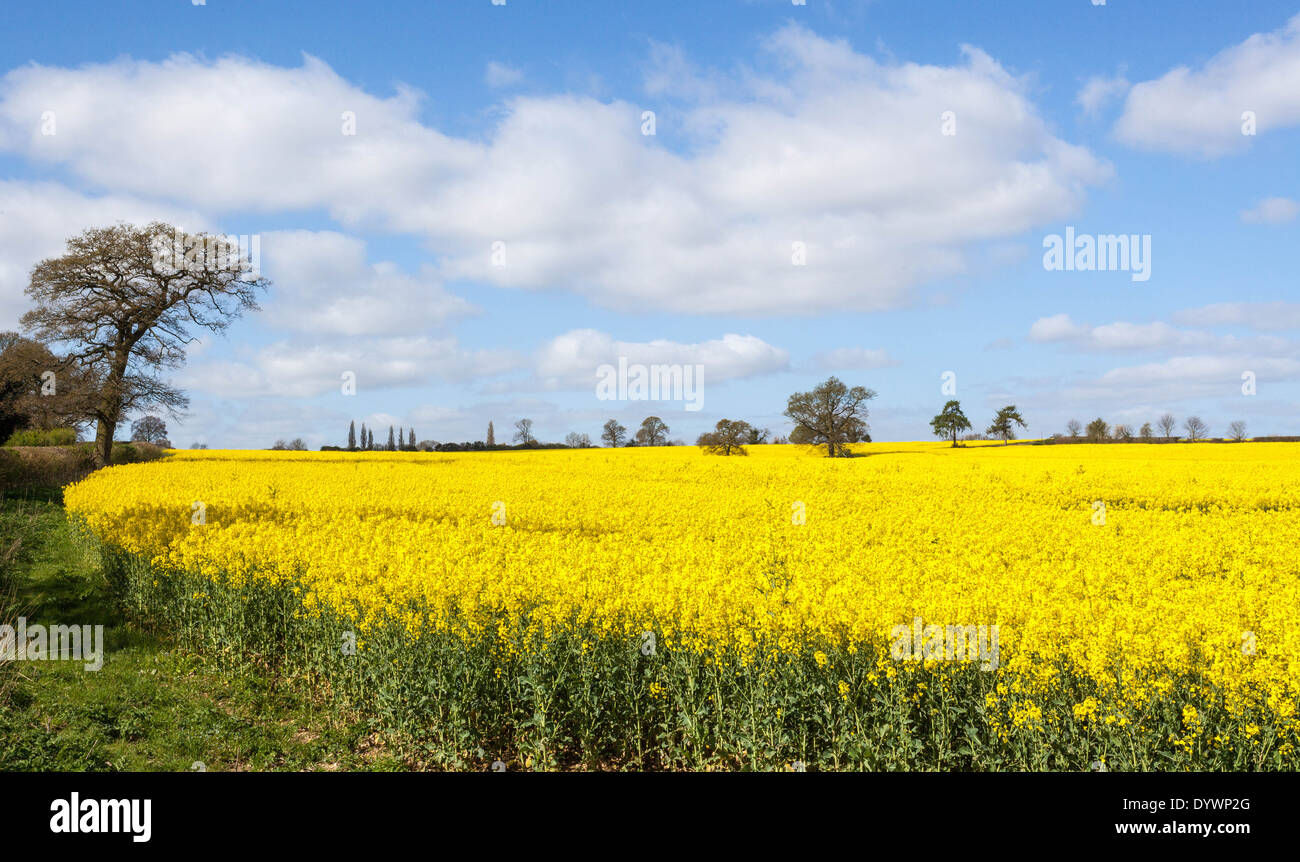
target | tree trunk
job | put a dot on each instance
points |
(104, 442)
(110, 407)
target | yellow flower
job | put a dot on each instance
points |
(1194, 563)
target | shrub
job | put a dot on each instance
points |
(38, 437)
(132, 453)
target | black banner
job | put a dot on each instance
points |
(142, 812)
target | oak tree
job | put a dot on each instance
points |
(832, 415)
(728, 437)
(123, 302)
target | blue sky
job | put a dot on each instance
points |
(775, 124)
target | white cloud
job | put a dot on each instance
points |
(570, 360)
(1123, 335)
(229, 134)
(854, 358)
(257, 425)
(1195, 376)
(322, 284)
(1157, 336)
(284, 369)
(1099, 91)
(1265, 316)
(501, 75)
(1272, 211)
(836, 150)
(36, 219)
(1199, 111)
(1058, 327)
(1204, 383)
(670, 74)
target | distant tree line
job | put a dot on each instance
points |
(1099, 431)
(653, 432)
(832, 415)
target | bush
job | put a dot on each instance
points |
(44, 469)
(47, 469)
(37, 437)
(133, 453)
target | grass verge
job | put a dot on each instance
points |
(153, 706)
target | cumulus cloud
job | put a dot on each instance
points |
(1156, 336)
(256, 425)
(833, 150)
(853, 358)
(1272, 211)
(571, 360)
(1186, 383)
(1264, 316)
(37, 218)
(287, 369)
(322, 284)
(501, 75)
(1099, 91)
(1199, 111)
(1186, 377)
(147, 128)
(1058, 327)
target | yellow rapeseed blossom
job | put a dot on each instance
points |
(1191, 567)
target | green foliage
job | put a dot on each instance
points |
(950, 422)
(832, 414)
(1004, 423)
(153, 705)
(38, 437)
(241, 677)
(727, 438)
(452, 699)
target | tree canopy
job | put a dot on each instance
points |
(832, 415)
(122, 302)
(728, 437)
(950, 422)
(1004, 423)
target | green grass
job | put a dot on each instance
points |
(153, 705)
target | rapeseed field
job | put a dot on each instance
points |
(1064, 607)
